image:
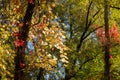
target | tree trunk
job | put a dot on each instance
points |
(107, 43)
(20, 50)
(40, 74)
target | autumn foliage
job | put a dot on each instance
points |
(113, 32)
(19, 43)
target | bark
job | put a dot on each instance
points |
(40, 74)
(107, 44)
(20, 51)
(71, 31)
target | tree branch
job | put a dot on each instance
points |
(115, 7)
(88, 12)
(91, 22)
(86, 61)
(96, 13)
(92, 32)
(86, 28)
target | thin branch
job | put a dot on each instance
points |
(115, 7)
(95, 19)
(96, 13)
(86, 61)
(91, 22)
(92, 32)
(88, 12)
(86, 28)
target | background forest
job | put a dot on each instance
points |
(59, 39)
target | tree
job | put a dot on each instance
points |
(22, 42)
(42, 28)
(52, 24)
(76, 27)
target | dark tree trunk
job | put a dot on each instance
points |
(20, 50)
(40, 74)
(107, 43)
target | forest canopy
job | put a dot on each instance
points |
(59, 40)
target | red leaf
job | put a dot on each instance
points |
(100, 32)
(30, 1)
(41, 25)
(113, 33)
(19, 43)
(110, 56)
(17, 34)
(22, 65)
(21, 24)
(31, 52)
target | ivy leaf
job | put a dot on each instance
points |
(22, 65)
(30, 1)
(19, 43)
(17, 34)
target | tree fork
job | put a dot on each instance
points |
(87, 25)
(20, 50)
